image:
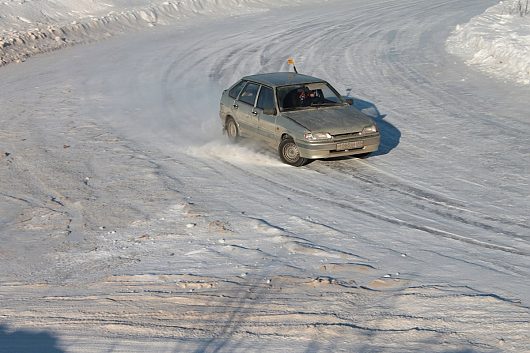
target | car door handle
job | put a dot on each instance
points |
(254, 112)
(235, 106)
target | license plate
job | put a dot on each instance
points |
(350, 145)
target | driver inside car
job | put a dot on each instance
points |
(306, 96)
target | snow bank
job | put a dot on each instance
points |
(498, 42)
(28, 27)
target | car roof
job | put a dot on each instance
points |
(276, 79)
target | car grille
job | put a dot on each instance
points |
(348, 136)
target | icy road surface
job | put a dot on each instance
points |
(129, 225)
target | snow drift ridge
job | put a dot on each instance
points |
(31, 27)
(497, 42)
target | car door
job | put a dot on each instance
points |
(244, 112)
(266, 112)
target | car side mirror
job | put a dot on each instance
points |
(349, 100)
(269, 111)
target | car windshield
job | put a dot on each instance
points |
(307, 95)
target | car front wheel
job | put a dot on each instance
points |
(290, 154)
(231, 130)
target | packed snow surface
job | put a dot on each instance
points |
(497, 41)
(128, 224)
(28, 27)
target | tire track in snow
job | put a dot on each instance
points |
(371, 213)
(442, 215)
(343, 204)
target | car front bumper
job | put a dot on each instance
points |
(328, 149)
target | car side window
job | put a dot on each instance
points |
(266, 98)
(234, 92)
(249, 93)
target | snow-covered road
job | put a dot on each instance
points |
(127, 222)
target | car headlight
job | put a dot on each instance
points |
(317, 136)
(369, 129)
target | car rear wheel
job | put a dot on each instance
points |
(231, 130)
(290, 154)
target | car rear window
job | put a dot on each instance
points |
(234, 92)
(248, 95)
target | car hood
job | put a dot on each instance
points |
(335, 120)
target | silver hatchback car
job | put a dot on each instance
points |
(302, 116)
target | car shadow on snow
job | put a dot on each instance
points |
(26, 341)
(390, 135)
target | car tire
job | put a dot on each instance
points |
(290, 154)
(232, 130)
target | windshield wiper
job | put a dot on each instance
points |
(324, 104)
